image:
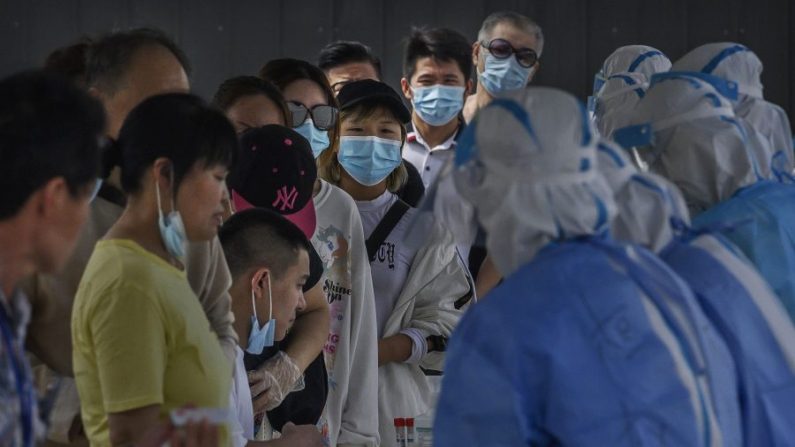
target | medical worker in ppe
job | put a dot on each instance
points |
(584, 342)
(620, 82)
(737, 300)
(689, 134)
(506, 57)
(737, 63)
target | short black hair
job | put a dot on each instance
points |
(260, 237)
(110, 55)
(49, 128)
(344, 52)
(70, 61)
(235, 88)
(442, 44)
(177, 126)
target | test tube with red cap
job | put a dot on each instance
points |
(400, 432)
(410, 431)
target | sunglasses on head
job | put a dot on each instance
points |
(324, 117)
(502, 49)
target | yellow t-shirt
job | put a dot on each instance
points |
(140, 337)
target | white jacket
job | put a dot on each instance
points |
(437, 280)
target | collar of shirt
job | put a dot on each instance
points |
(415, 137)
(379, 202)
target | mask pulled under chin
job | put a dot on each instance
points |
(261, 337)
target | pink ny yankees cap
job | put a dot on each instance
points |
(275, 169)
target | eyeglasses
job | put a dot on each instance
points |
(502, 49)
(324, 117)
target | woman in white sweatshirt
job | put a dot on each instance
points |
(421, 283)
(351, 349)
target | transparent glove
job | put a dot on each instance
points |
(273, 381)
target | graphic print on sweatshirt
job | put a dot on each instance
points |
(333, 248)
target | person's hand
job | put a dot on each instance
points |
(192, 434)
(273, 381)
(301, 435)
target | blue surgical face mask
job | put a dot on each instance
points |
(369, 160)
(172, 230)
(503, 75)
(437, 105)
(317, 138)
(261, 337)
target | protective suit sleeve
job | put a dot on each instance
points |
(478, 405)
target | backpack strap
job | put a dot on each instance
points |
(387, 224)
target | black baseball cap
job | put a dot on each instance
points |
(368, 90)
(275, 169)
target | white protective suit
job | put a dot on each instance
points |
(732, 293)
(572, 300)
(737, 63)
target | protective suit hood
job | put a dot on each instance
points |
(527, 164)
(641, 59)
(727, 60)
(651, 211)
(615, 101)
(735, 62)
(689, 134)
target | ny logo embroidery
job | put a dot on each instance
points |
(284, 199)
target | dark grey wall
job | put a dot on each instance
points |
(230, 37)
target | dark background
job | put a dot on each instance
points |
(230, 37)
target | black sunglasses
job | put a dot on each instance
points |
(502, 49)
(324, 117)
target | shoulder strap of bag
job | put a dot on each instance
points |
(387, 224)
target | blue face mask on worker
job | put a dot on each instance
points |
(369, 160)
(506, 69)
(313, 124)
(172, 229)
(437, 105)
(261, 337)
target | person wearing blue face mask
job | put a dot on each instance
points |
(268, 257)
(505, 56)
(309, 97)
(421, 283)
(437, 68)
(436, 79)
(134, 310)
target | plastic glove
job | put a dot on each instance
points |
(273, 381)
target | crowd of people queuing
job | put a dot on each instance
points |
(299, 260)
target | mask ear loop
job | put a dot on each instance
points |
(254, 305)
(159, 202)
(270, 299)
(173, 191)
